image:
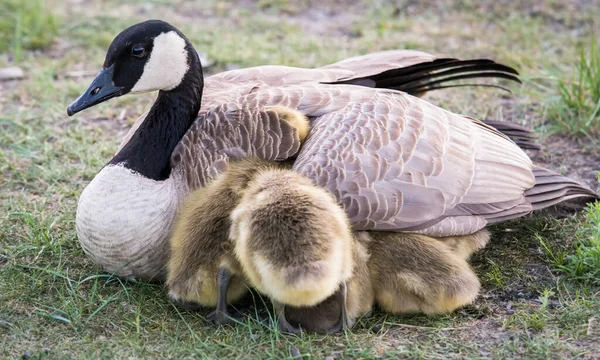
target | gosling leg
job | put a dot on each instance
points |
(283, 323)
(221, 315)
(343, 323)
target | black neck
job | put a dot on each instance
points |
(149, 150)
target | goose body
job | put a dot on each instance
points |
(393, 161)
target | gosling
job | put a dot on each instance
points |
(294, 244)
(202, 270)
(413, 273)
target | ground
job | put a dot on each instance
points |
(55, 303)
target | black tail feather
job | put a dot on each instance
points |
(438, 74)
(417, 78)
(420, 87)
(522, 136)
(551, 188)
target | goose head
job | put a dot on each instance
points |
(149, 56)
(124, 213)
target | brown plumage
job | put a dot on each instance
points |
(387, 157)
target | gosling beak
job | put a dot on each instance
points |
(100, 90)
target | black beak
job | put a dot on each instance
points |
(101, 89)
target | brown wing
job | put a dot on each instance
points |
(393, 161)
(231, 130)
(410, 71)
(396, 162)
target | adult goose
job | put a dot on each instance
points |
(394, 161)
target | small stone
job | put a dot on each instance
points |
(26, 355)
(593, 328)
(296, 353)
(230, 67)
(206, 63)
(11, 73)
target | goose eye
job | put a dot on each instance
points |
(138, 51)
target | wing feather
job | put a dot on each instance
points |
(393, 161)
(407, 165)
(241, 130)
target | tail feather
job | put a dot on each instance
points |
(525, 138)
(551, 188)
(437, 74)
(411, 76)
(423, 85)
(420, 92)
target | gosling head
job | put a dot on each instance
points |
(152, 55)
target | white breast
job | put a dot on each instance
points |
(123, 222)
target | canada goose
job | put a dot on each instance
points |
(202, 268)
(294, 242)
(393, 161)
(414, 273)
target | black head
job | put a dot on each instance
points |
(152, 55)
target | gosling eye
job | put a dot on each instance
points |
(138, 51)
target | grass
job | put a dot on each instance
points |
(576, 109)
(26, 25)
(581, 260)
(539, 297)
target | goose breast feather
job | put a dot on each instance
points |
(394, 161)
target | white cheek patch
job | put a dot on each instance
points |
(167, 65)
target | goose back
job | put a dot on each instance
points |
(394, 161)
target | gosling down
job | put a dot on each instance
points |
(393, 161)
(291, 241)
(285, 237)
(289, 238)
